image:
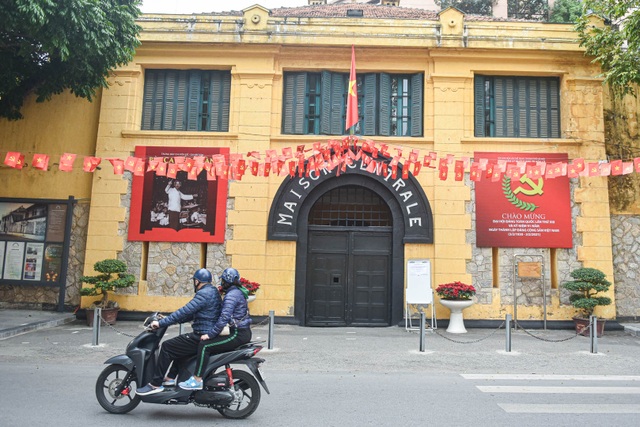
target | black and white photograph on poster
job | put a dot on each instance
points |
(52, 262)
(2, 245)
(14, 254)
(23, 221)
(33, 261)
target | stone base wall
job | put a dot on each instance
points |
(625, 235)
(40, 297)
(528, 291)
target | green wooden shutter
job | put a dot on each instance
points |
(325, 94)
(385, 104)
(338, 103)
(195, 99)
(225, 101)
(523, 89)
(370, 104)
(181, 100)
(554, 108)
(169, 101)
(293, 103)
(479, 106)
(148, 99)
(416, 104)
(220, 90)
(536, 108)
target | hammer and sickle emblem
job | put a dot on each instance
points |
(534, 189)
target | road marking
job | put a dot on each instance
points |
(551, 377)
(559, 390)
(569, 408)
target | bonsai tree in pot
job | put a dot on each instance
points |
(587, 283)
(113, 275)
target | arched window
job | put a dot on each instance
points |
(351, 206)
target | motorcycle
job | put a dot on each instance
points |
(234, 393)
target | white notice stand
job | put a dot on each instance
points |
(418, 293)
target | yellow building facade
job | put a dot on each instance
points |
(261, 51)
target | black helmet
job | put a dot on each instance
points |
(230, 276)
(201, 276)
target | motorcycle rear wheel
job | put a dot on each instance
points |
(110, 378)
(248, 390)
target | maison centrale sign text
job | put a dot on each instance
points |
(409, 206)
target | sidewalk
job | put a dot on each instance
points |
(15, 322)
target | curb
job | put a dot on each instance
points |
(632, 330)
(23, 329)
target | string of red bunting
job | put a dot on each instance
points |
(335, 154)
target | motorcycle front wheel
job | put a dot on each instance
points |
(108, 381)
(247, 396)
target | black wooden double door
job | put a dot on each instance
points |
(348, 278)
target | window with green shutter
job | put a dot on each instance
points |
(517, 107)
(186, 100)
(315, 104)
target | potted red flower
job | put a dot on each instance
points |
(455, 291)
(251, 287)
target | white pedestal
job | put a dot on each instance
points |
(456, 321)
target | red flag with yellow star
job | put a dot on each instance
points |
(352, 95)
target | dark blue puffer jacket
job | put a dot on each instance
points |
(235, 312)
(203, 310)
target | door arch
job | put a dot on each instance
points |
(412, 221)
(349, 259)
(348, 248)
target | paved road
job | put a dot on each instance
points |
(351, 377)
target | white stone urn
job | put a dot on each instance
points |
(456, 321)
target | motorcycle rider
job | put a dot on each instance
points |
(235, 313)
(204, 310)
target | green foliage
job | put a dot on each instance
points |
(476, 7)
(536, 10)
(48, 46)
(588, 282)
(112, 276)
(566, 11)
(616, 47)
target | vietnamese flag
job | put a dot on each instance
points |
(475, 174)
(89, 164)
(444, 171)
(352, 96)
(40, 161)
(118, 166)
(627, 168)
(636, 164)
(616, 167)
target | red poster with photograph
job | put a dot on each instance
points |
(173, 208)
(524, 212)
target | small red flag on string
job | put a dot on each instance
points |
(89, 163)
(11, 159)
(459, 170)
(66, 162)
(40, 161)
(616, 167)
(352, 95)
(118, 166)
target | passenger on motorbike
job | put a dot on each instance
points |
(235, 313)
(204, 310)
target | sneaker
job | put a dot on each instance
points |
(149, 389)
(191, 384)
(169, 383)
